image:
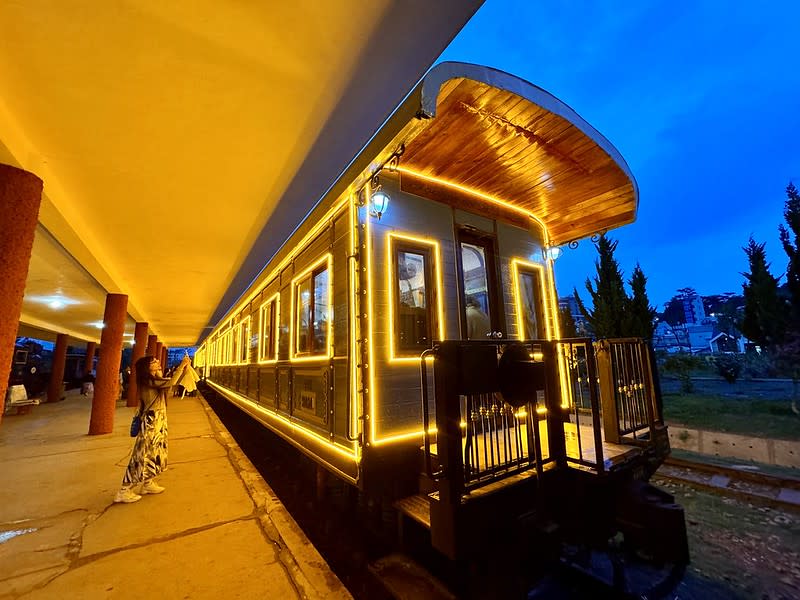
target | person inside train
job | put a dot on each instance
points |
(149, 455)
(478, 324)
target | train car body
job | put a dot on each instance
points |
(406, 336)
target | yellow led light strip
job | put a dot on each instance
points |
(264, 352)
(326, 259)
(390, 287)
(352, 269)
(243, 335)
(516, 264)
(478, 194)
(323, 222)
(370, 336)
(344, 451)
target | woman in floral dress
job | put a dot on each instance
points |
(149, 456)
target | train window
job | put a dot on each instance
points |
(530, 298)
(244, 337)
(412, 294)
(229, 347)
(268, 347)
(312, 304)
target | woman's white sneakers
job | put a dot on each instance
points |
(127, 495)
(151, 487)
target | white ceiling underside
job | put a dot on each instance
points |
(181, 142)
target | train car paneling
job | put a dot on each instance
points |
(314, 250)
(311, 387)
(341, 291)
(236, 377)
(253, 382)
(284, 390)
(342, 414)
(226, 376)
(466, 219)
(340, 400)
(284, 318)
(397, 383)
(525, 247)
(267, 386)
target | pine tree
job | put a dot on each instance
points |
(567, 322)
(789, 239)
(764, 319)
(640, 317)
(608, 293)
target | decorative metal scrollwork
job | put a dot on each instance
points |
(596, 237)
(572, 244)
(394, 159)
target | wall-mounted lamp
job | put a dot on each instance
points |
(379, 203)
(552, 252)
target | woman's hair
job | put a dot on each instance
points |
(143, 370)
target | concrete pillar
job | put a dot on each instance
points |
(57, 374)
(106, 387)
(151, 345)
(139, 347)
(20, 196)
(89, 363)
(164, 356)
(157, 352)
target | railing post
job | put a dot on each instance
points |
(591, 373)
(655, 382)
(448, 419)
(608, 396)
(555, 413)
(445, 513)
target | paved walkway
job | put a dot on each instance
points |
(218, 531)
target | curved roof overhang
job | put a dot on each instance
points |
(485, 133)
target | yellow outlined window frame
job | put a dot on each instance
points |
(294, 356)
(243, 336)
(393, 240)
(269, 355)
(518, 265)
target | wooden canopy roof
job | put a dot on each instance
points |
(492, 133)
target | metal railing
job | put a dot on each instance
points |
(496, 418)
(630, 395)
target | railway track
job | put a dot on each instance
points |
(753, 486)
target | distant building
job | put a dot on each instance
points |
(664, 338)
(722, 342)
(569, 302)
(693, 311)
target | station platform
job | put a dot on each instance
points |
(218, 531)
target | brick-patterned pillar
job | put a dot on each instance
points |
(106, 388)
(57, 373)
(20, 196)
(139, 347)
(89, 363)
(151, 345)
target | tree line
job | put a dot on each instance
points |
(771, 312)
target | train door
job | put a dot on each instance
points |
(481, 316)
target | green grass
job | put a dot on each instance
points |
(765, 418)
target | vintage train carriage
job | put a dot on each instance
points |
(406, 336)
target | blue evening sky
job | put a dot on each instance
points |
(702, 99)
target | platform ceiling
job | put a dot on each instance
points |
(181, 142)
